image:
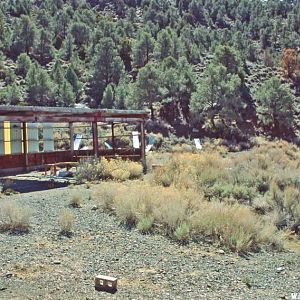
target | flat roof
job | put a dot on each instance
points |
(68, 114)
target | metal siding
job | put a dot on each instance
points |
(15, 138)
(33, 137)
(48, 137)
(2, 148)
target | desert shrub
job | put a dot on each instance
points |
(115, 169)
(275, 196)
(184, 214)
(173, 207)
(14, 218)
(168, 207)
(219, 146)
(269, 171)
(104, 195)
(182, 148)
(291, 201)
(76, 200)
(204, 169)
(241, 193)
(127, 209)
(66, 221)
(261, 205)
(182, 233)
(135, 169)
(145, 224)
(89, 171)
(235, 227)
(120, 174)
(163, 177)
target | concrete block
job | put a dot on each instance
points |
(106, 283)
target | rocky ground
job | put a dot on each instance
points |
(45, 265)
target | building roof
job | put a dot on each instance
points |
(67, 114)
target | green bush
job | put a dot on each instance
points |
(145, 224)
(182, 233)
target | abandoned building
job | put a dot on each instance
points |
(32, 137)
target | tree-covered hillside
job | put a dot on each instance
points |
(225, 67)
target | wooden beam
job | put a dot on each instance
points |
(46, 119)
(120, 120)
(143, 145)
(113, 136)
(25, 150)
(95, 138)
(71, 128)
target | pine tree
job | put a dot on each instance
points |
(39, 87)
(73, 80)
(23, 36)
(11, 94)
(108, 68)
(275, 107)
(143, 48)
(196, 8)
(44, 46)
(146, 88)
(68, 47)
(81, 33)
(108, 97)
(23, 64)
(125, 53)
(65, 95)
(164, 44)
(218, 94)
(57, 73)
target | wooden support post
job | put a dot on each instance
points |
(25, 148)
(71, 127)
(113, 136)
(143, 145)
(95, 138)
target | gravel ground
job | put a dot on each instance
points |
(44, 265)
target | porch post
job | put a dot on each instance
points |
(113, 136)
(71, 128)
(95, 138)
(25, 150)
(143, 145)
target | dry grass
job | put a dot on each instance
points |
(267, 177)
(234, 226)
(185, 214)
(14, 218)
(104, 195)
(114, 169)
(240, 201)
(66, 221)
(76, 200)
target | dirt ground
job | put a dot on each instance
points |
(46, 265)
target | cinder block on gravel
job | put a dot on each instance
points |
(106, 283)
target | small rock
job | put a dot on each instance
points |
(9, 275)
(95, 207)
(280, 269)
(56, 262)
(221, 251)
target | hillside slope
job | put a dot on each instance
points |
(155, 53)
